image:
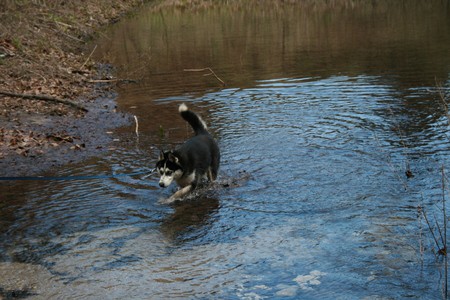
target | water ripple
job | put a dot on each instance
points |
(308, 171)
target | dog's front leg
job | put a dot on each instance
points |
(178, 195)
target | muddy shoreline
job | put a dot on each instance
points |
(48, 54)
(67, 139)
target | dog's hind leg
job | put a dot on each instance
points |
(214, 167)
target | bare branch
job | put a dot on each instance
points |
(43, 98)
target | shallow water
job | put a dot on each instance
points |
(325, 107)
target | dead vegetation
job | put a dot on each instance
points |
(45, 68)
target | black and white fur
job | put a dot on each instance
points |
(196, 160)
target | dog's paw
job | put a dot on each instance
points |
(169, 200)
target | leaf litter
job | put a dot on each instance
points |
(44, 51)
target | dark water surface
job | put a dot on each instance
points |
(326, 105)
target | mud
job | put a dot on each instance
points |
(40, 142)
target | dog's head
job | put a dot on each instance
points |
(169, 168)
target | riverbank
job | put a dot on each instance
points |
(56, 103)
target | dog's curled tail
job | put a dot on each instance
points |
(193, 119)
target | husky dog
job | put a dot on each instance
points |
(196, 160)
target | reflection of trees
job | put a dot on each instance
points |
(251, 40)
(403, 43)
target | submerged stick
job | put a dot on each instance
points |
(429, 227)
(206, 69)
(43, 98)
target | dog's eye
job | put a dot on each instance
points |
(169, 173)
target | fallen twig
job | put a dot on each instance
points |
(63, 24)
(92, 52)
(206, 69)
(69, 36)
(111, 80)
(43, 98)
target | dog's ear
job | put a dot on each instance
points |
(161, 155)
(173, 158)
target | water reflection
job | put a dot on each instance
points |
(405, 42)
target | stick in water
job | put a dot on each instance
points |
(137, 126)
(206, 69)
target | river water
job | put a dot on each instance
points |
(326, 106)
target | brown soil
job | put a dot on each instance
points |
(43, 52)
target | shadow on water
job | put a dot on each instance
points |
(188, 217)
(325, 104)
